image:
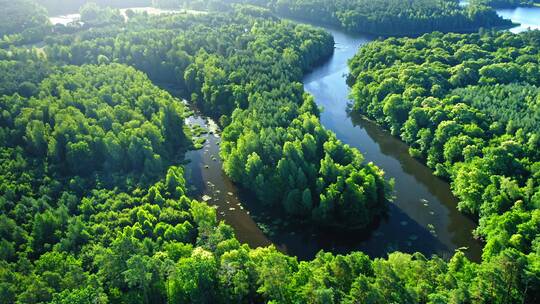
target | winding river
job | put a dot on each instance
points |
(423, 216)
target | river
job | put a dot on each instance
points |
(423, 216)
(527, 17)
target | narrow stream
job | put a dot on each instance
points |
(207, 182)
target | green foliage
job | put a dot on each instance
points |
(93, 15)
(380, 17)
(93, 204)
(85, 120)
(22, 21)
(249, 71)
(478, 128)
(504, 3)
(391, 17)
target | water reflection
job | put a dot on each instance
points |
(527, 17)
(207, 182)
(423, 218)
(425, 200)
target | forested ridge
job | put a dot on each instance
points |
(21, 22)
(468, 106)
(379, 17)
(393, 17)
(93, 198)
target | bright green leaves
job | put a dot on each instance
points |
(81, 135)
(472, 116)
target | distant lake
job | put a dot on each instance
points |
(528, 17)
(68, 18)
(64, 19)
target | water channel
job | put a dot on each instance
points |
(423, 216)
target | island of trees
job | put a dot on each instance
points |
(93, 200)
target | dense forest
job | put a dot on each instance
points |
(92, 191)
(273, 138)
(380, 17)
(468, 106)
(392, 17)
(21, 22)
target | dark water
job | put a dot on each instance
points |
(207, 182)
(423, 217)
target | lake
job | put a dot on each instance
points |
(66, 19)
(527, 17)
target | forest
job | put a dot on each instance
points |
(93, 198)
(467, 105)
(393, 17)
(21, 22)
(380, 17)
(238, 79)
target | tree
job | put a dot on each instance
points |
(139, 274)
(195, 278)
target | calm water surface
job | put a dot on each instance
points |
(64, 19)
(207, 182)
(527, 17)
(68, 18)
(422, 218)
